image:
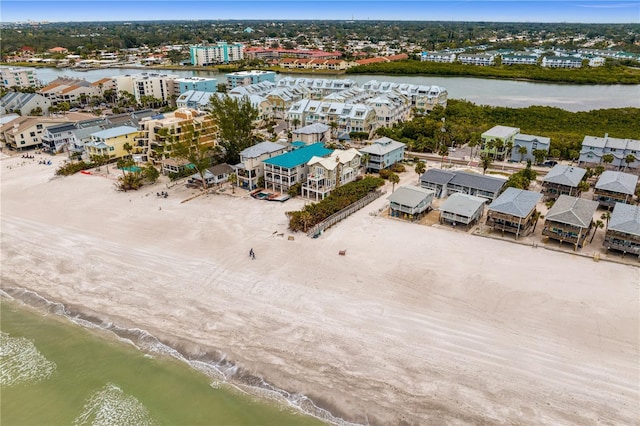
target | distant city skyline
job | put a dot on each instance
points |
(570, 11)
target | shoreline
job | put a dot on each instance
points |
(416, 324)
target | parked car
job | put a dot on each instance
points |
(549, 163)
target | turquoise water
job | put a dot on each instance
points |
(131, 169)
(54, 372)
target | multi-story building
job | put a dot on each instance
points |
(194, 99)
(251, 167)
(570, 220)
(219, 53)
(320, 87)
(496, 140)
(349, 117)
(112, 142)
(594, 148)
(422, 98)
(383, 153)
(327, 173)
(200, 84)
(285, 170)
(530, 143)
(482, 59)
(623, 231)
(561, 62)
(443, 57)
(27, 132)
(562, 180)
(16, 76)
(156, 136)
(390, 108)
(75, 90)
(615, 187)
(312, 133)
(147, 85)
(514, 211)
(24, 103)
(519, 60)
(245, 78)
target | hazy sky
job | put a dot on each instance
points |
(590, 11)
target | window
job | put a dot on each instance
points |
(32, 134)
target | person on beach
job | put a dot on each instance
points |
(251, 253)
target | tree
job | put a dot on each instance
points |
(606, 216)
(474, 142)
(536, 216)
(394, 178)
(522, 150)
(608, 158)
(583, 186)
(598, 224)
(539, 155)
(421, 167)
(365, 159)
(334, 126)
(442, 152)
(628, 160)
(485, 161)
(233, 179)
(295, 122)
(235, 120)
(198, 155)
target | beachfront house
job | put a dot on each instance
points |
(562, 180)
(383, 153)
(594, 148)
(215, 175)
(623, 231)
(436, 180)
(251, 166)
(27, 132)
(498, 140)
(530, 143)
(570, 220)
(312, 133)
(461, 209)
(615, 187)
(285, 170)
(111, 142)
(327, 173)
(514, 211)
(410, 202)
(487, 187)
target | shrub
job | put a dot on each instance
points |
(385, 173)
(72, 168)
(398, 168)
(295, 189)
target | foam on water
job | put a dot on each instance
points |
(110, 406)
(21, 362)
(214, 365)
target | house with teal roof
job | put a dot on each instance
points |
(285, 170)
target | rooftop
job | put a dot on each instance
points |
(299, 156)
(261, 148)
(573, 211)
(565, 175)
(516, 202)
(625, 218)
(501, 132)
(462, 204)
(115, 132)
(410, 196)
(624, 183)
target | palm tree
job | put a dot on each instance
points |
(598, 224)
(365, 159)
(420, 168)
(522, 150)
(536, 216)
(394, 178)
(485, 161)
(583, 186)
(606, 216)
(334, 127)
(295, 122)
(442, 152)
(608, 159)
(629, 159)
(233, 178)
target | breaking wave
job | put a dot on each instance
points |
(21, 362)
(110, 406)
(213, 364)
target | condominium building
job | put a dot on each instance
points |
(245, 78)
(20, 77)
(203, 84)
(219, 53)
(141, 86)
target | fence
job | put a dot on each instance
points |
(347, 211)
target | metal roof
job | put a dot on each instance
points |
(476, 181)
(382, 146)
(261, 148)
(516, 202)
(299, 156)
(565, 175)
(312, 129)
(625, 218)
(462, 204)
(115, 132)
(410, 196)
(437, 176)
(623, 183)
(500, 132)
(572, 211)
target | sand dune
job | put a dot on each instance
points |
(415, 325)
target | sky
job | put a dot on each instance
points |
(584, 11)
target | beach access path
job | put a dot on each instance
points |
(414, 325)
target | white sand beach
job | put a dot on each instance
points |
(415, 325)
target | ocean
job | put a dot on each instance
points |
(56, 372)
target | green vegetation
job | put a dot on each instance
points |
(235, 120)
(341, 197)
(465, 122)
(610, 73)
(73, 168)
(521, 179)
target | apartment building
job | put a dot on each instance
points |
(18, 76)
(155, 85)
(245, 78)
(219, 53)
